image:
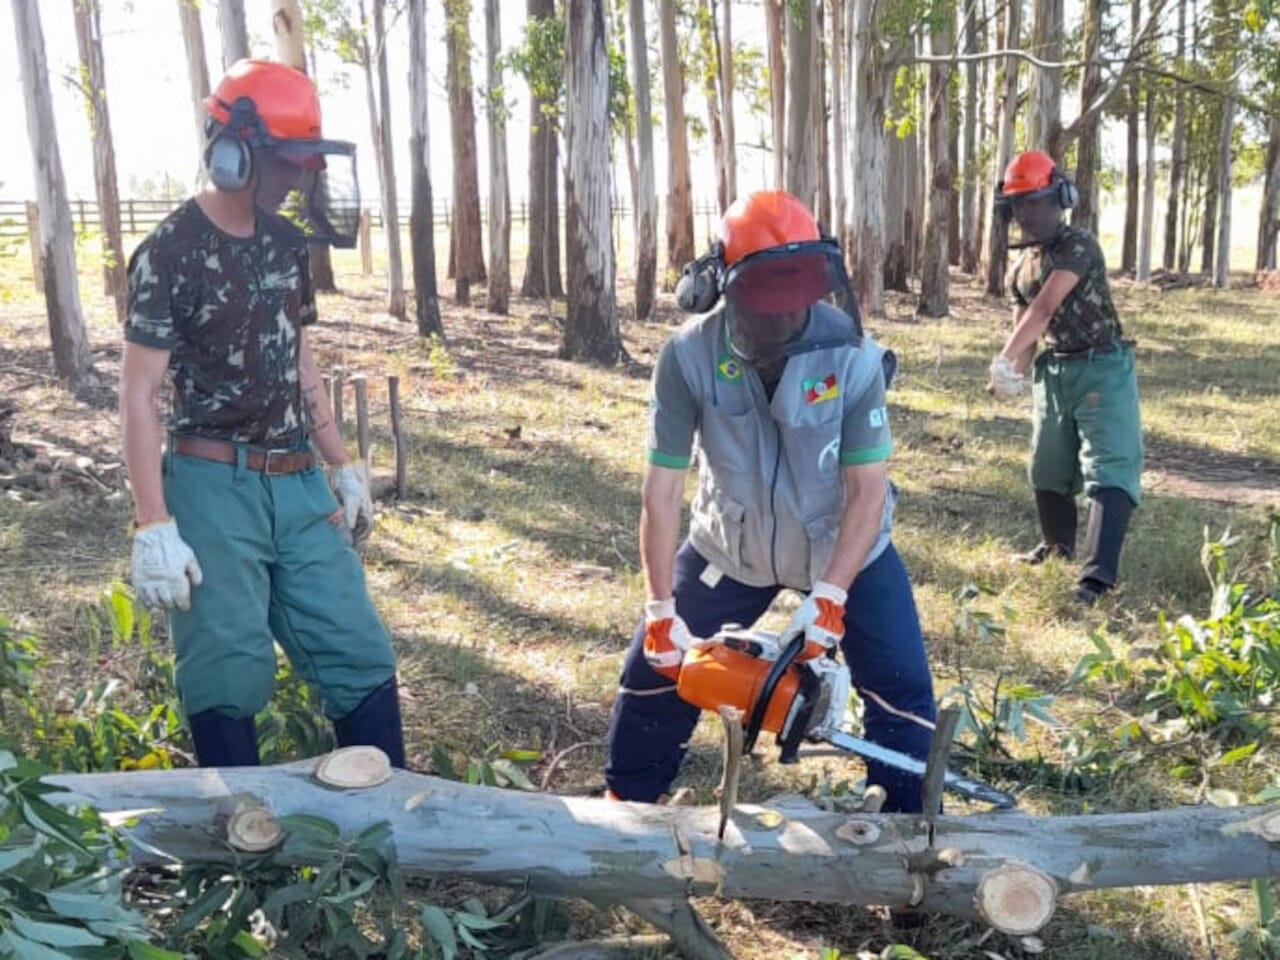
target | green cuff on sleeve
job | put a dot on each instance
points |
(855, 458)
(660, 459)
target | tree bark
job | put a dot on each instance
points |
(1222, 262)
(466, 244)
(422, 240)
(680, 246)
(499, 191)
(542, 265)
(802, 153)
(969, 147)
(1085, 214)
(839, 212)
(647, 192)
(57, 232)
(380, 115)
(866, 252)
(235, 34)
(1269, 214)
(1142, 270)
(291, 48)
(1178, 149)
(1007, 868)
(1006, 89)
(822, 153)
(710, 60)
(197, 66)
(1044, 116)
(591, 324)
(774, 23)
(1132, 169)
(93, 75)
(726, 98)
(935, 275)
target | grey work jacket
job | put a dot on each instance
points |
(770, 492)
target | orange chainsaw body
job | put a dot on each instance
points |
(719, 675)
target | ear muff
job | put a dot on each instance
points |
(698, 289)
(1068, 192)
(229, 162)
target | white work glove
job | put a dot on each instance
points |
(821, 618)
(666, 637)
(351, 486)
(163, 568)
(1006, 382)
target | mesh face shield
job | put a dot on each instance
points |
(1034, 218)
(313, 183)
(769, 295)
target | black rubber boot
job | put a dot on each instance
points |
(375, 723)
(1109, 514)
(222, 741)
(1057, 529)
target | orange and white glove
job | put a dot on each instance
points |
(821, 618)
(666, 637)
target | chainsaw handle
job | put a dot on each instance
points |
(758, 709)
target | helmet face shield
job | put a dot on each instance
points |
(1037, 215)
(312, 183)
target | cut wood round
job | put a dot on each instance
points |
(354, 768)
(858, 832)
(1269, 828)
(253, 830)
(1016, 899)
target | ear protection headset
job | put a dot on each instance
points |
(229, 155)
(1064, 187)
(698, 289)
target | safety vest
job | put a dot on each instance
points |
(770, 493)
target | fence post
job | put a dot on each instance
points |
(84, 225)
(37, 246)
(397, 436)
(360, 384)
(133, 226)
(339, 382)
(366, 243)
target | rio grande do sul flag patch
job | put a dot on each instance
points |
(816, 391)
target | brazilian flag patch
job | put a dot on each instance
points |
(729, 369)
(816, 391)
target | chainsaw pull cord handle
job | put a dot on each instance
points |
(761, 706)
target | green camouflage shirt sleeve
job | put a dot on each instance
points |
(1079, 254)
(864, 433)
(150, 317)
(307, 312)
(673, 413)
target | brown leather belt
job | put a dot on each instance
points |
(274, 463)
(1088, 352)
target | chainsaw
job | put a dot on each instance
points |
(796, 691)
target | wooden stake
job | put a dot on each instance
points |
(37, 247)
(339, 384)
(366, 243)
(397, 436)
(361, 386)
(731, 718)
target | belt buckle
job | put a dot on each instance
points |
(266, 463)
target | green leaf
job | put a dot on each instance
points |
(521, 756)
(469, 938)
(54, 934)
(308, 827)
(11, 858)
(1238, 754)
(202, 907)
(248, 945)
(24, 949)
(53, 822)
(299, 892)
(512, 773)
(437, 923)
(145, 951)
(475, 921)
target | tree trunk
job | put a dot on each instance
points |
(1269, 214)
(1222, 263)
(1044, 112)
(235, 34)
(838, 101)
(822, 208)
(57, 232)
(499, 192)
(1142, 271)
(93, 75)
(291, 48)
(591, 324)
(1005, 868)
(969, 147)
(726, 98)
(934, 275)
(1085, 214)
(1178, 151)
(197, 66)
(802, 155)
(775, 12)
(1209, 217)
(1132, 169)
(542, 265)
(867, 198)
(647, 194)
(422, 239)
(1006, 89)
(386, 161)
(465, 240)
(680, 246)
(710, 60)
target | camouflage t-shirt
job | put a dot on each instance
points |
(1087, 317)
(230, 311)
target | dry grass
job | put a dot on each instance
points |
(509, 577)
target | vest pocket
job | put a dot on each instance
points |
(724, 522)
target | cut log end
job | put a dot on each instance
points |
(1269, 828)
(253, 830)
(354, 768)
(858, 832)
(1016, 899)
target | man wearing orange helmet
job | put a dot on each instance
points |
(237, 534)
(1086, 435)
(784, 401)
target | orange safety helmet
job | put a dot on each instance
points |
(764, 219)
(1034, 174)
(284, 100)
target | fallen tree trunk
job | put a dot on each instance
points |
(1006, 868)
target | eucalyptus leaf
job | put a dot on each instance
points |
(54, 934)
(437, 924)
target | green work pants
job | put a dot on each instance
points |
(275, 568)
(1086, 434)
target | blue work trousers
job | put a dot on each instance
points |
(883, 647)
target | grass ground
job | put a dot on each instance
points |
(509, 576)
